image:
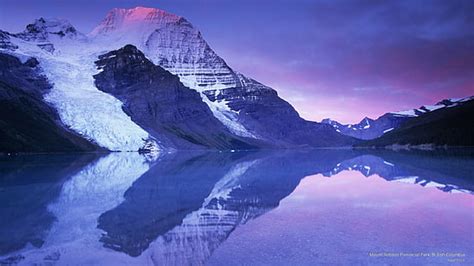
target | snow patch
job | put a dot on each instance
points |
(221, 110)
(410, 113)
(433, 107)
(408, 179)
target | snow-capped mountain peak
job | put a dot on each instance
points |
(120, 19)
(366, 122)
(42, 28)
(171, 42)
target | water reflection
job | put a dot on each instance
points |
(180, 208)
(27, 186)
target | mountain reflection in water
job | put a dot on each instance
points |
(180, 208)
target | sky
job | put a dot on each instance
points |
(343, 60)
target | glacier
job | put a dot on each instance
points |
(93, 114)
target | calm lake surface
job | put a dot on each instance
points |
(351, 207)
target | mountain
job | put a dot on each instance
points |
(245, 112)
(368, 129)
(451, 125)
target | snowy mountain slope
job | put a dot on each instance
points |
(67, 60)
(368, 128)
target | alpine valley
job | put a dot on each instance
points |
(146, 80)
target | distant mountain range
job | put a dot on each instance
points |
(146, 80)
(397, 127)
(452, 125)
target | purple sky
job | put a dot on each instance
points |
(339, 59)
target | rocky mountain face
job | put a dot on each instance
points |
(5, 43)
(368, 129)
(27, 123)
(157, 101)
(41, 29)
(115, 116)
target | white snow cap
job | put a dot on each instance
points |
(124, 19)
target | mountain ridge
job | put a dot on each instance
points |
(368, 128)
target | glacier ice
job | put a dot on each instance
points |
(90, 112)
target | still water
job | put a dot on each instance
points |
(351, 207)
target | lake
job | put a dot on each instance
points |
(307, 207)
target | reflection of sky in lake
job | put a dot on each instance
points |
(289, 207)
(342, 218)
